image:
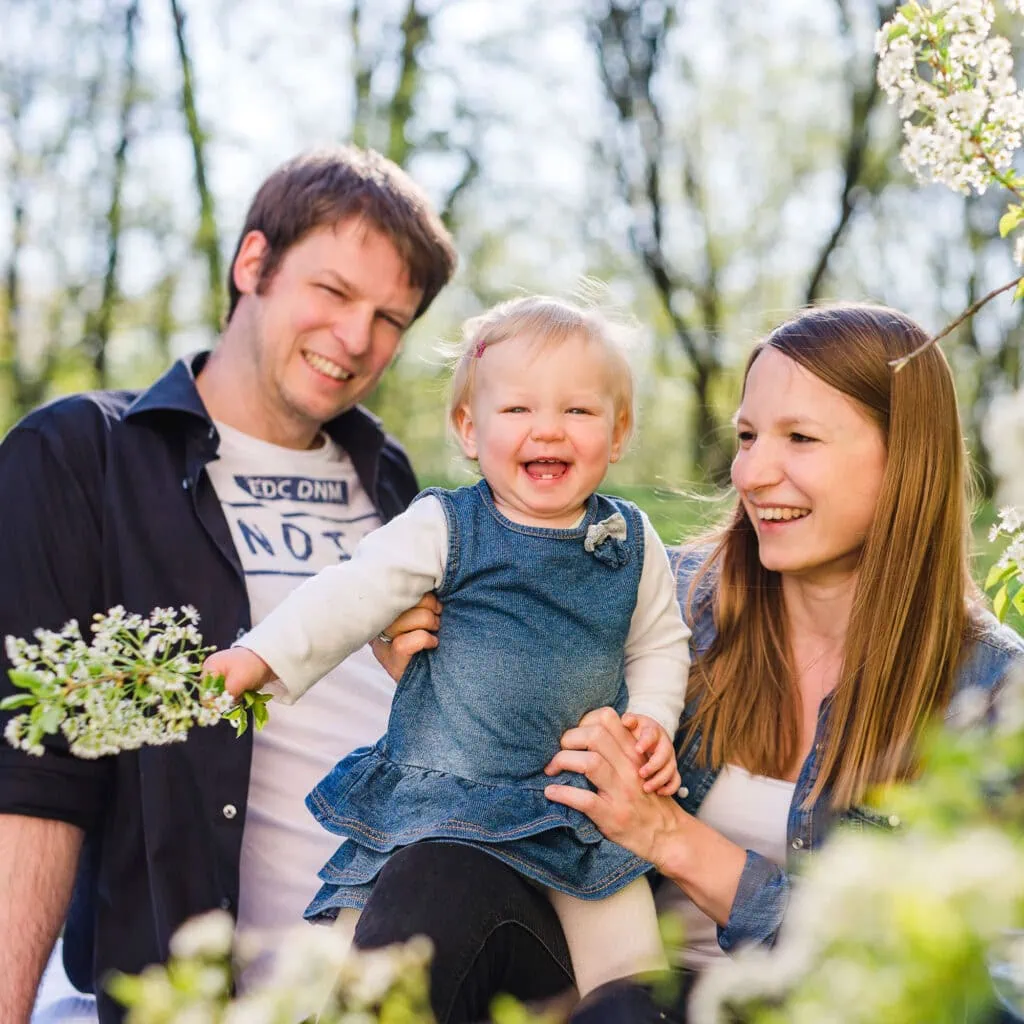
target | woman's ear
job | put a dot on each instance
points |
(465, 428)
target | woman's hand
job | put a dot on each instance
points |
(605, 751)
(413, 631)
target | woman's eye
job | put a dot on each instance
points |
(331, 291)
(801, 438)
(745, 438)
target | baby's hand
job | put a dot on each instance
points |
(659, 772)
(242, 670)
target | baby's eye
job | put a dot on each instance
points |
(578, 410)
(514, 408)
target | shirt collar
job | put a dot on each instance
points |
(356, 430)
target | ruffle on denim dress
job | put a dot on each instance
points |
(532, 637)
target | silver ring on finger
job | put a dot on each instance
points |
(385, 639)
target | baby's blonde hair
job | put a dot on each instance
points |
(547, 321)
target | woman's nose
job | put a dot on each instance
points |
(756, 466)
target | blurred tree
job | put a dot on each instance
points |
(99, 322)
(207, 239)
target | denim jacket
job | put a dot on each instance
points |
(764, 888)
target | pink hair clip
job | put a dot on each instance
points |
(480, 346)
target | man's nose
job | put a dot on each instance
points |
(355, 331)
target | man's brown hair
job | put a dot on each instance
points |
(323, 188)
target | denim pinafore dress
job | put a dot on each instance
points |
(532, 637)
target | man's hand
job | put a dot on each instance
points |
(659, 771)
(413, 631)
(242, 670)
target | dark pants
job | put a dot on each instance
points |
(492, 932)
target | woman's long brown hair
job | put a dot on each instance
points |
(909, 616)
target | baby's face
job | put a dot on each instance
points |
(543, 425)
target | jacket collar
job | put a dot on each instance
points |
(356, 430)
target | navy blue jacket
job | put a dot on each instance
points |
(104, 501)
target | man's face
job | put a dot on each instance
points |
(327, 324)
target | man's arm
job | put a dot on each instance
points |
(50, 572)
(38, 859)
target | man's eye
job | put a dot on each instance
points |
(331, 291)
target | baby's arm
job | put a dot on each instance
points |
(346, 605)
(657, 665)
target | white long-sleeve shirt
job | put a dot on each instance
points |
(344, 606)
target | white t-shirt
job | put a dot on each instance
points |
(344, 606)
(751, 811)
(292, 513)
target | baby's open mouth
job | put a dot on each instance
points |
(546, 469)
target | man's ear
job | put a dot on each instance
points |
(465, 429)
(249, 262)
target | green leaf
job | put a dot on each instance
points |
(51, 717)
(238, 717)
(999, 574)
(18, 700)
(260, 715)
(1018, 601)
(897, 30)
(999, 602)
(25, 680)
(1009, 220)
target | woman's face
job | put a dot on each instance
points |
(808, 470)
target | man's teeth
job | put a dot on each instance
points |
(782, 513)
(326, 366)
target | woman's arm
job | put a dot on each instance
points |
(742, 891)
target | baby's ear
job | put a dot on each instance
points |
(465, 430)
(620, 432)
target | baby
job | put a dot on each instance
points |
(557, 600)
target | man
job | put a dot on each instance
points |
(234, 476)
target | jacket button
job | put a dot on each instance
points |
(225, 903)
(798, 843)
(229, 811)
(683, 792)
(241, 632)
(184, 484)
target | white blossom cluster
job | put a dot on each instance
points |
(855, 945)
(137, 683)
(963, 114)
(313, 974)
(1004, 438)
(1010, 525)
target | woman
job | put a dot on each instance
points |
(833, 616)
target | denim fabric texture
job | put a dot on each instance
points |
(764, 888)
(532, 637)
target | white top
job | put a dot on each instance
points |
(749, 810)
(344, 606)
(292, 513)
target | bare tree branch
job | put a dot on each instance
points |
(207, 240)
